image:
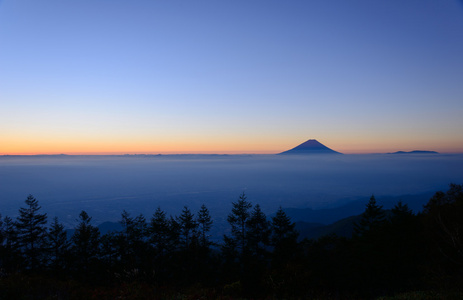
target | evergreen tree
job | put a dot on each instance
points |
(372, 218)
(258, 232)
(188, 228)
(204, 221)
(2, 240)
(159, 231)
(238, 219)
(10, 234)
(58, 245)
(133, 229)
(400, 212)
(173, 234)
(443, 216)
(284, 236)
(400, 247)
(2, 232)
(132, 242)
(122, 238)
(205, 267)
(137, 232)
(110, 248)
(282, 228)
(11, 258)
(255, 257)
(31, 232)
(86, 241)
(371, 247)
(133, 236)
(229, 255)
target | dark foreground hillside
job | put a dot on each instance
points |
(398, 255)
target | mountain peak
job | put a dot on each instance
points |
(311, 146)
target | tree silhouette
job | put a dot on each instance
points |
(10, 233)
(58, 245)
(238, 219)
(444, 213)
(173, 234)
(2, 232)
(110, 250)
(31, 231)
(172, 258)
(284, 236)
(86, 241)
(187, 226)
(132, 243)
(204, 221)
(372, 218)
(401, 247)
(400, 212)
(258, 233)
(159, 231)
(11, 258)
(255, 256)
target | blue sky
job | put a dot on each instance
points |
(143, 76)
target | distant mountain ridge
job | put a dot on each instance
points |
(355, 207)
(415, 152)
(311, 146)
(343, 227)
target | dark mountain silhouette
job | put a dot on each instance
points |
(355, 207)
(310, 147)
(343, 227)
(415, 152)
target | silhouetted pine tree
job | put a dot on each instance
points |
(443, 216)
(230, 268)
(158, 231)
(2, 240)
(11, 258)
(2, 233)
(286, 271)
(373, 217)
(207, 264)
(255, 259)
(401, 248)
(133, 229)
(284, 237)
(138, 240)
(58, 245)
(188, 228)
(86, 242)
(400, 212)
(32, 232)
(258, 233)
(186, 261)
(371, 248)
(110, 246)
(204, 221)
(163, 237)
(238, 219)
(173, 236)
(132, 241)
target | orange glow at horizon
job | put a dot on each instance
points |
(160, 146)
(195, 145)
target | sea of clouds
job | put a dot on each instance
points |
(105, 185)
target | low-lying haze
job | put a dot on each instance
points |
(106, 185)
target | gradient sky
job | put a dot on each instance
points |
(145, 76)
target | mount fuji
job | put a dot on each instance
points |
(311, 147)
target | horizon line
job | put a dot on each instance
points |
(202, 153)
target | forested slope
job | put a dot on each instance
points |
(161, 256)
